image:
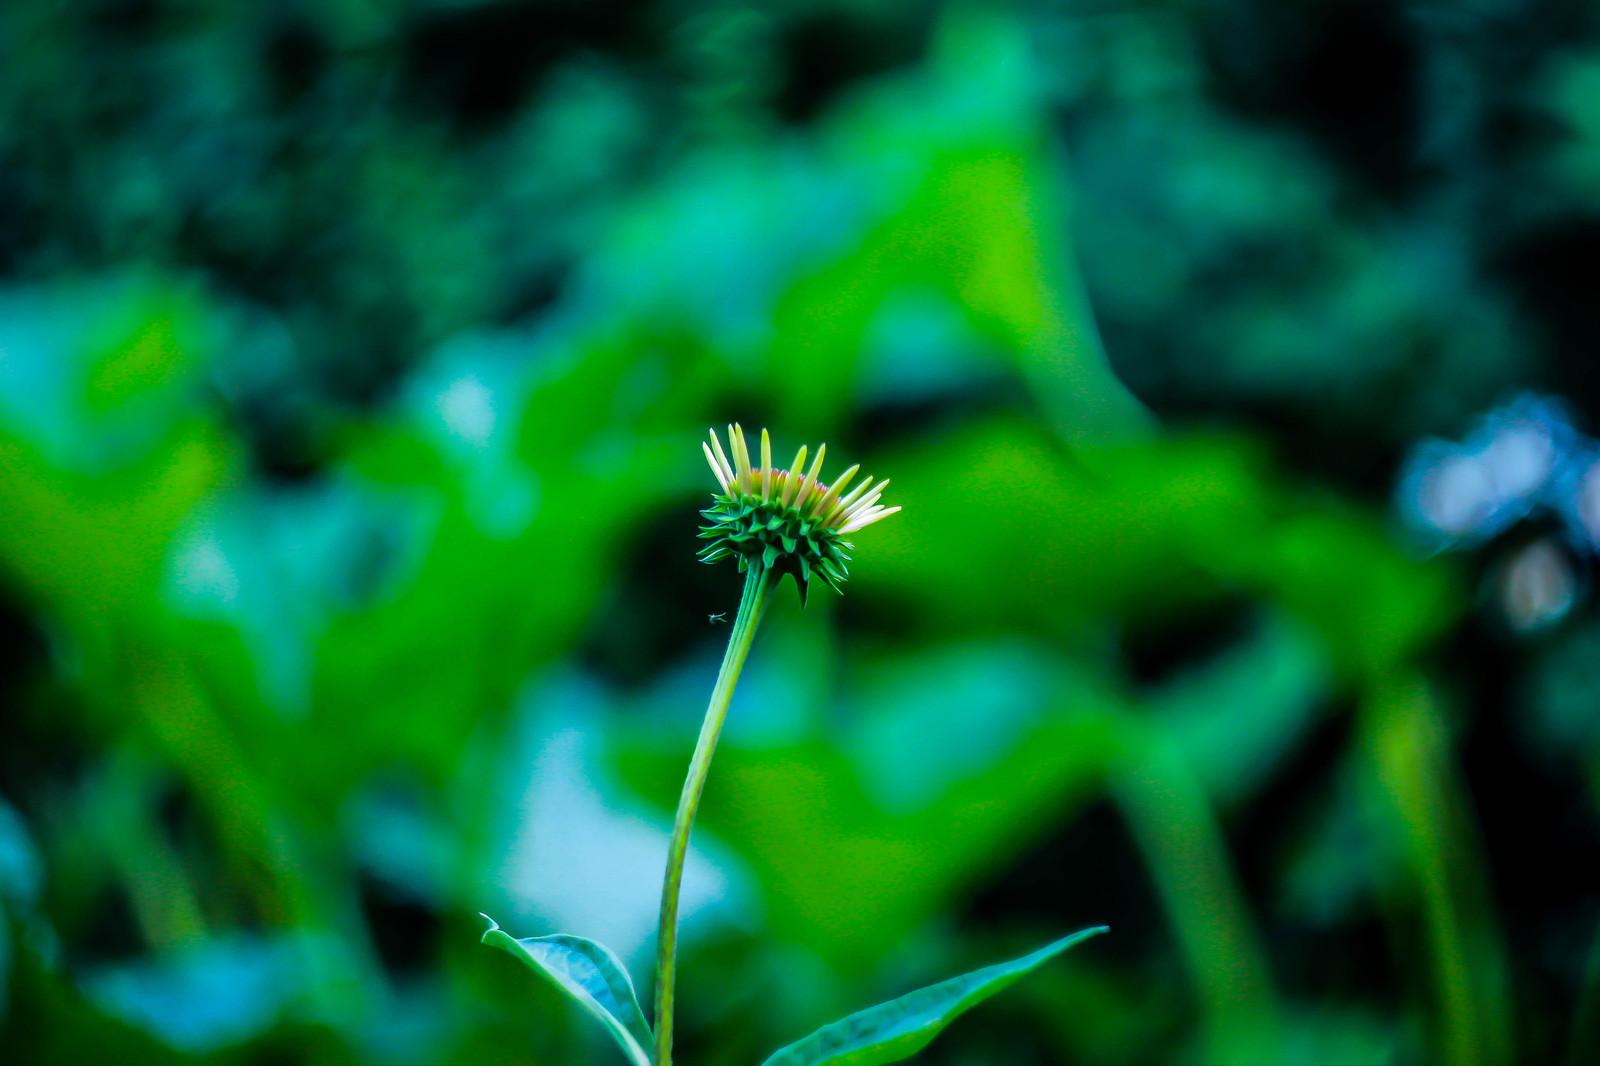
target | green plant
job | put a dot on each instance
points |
(774, 522)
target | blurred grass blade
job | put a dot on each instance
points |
(893, 1031)
(590, 974)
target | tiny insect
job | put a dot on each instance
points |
(715, 618)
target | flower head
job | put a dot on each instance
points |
(788, 521)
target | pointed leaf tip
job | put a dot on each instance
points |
(590, 974)
(893, 1031)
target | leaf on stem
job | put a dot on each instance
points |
(902, 1027)
(590, 974)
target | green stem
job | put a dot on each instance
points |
(758, 586)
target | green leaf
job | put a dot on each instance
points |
(590, 974)
(902, 1027)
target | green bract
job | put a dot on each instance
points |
(786, 521)
(779, 537)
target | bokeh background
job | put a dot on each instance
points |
(1232, 361)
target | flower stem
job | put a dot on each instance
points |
(758, 586)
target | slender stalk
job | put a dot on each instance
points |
(758, 586)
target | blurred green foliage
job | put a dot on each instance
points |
(352, 362)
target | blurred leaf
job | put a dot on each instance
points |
(851, 880)
(1560, 692)
(1406, 738)
(206, 996)
(47, 1020)
(590, 974)
(1238, 714)
(138, 363)
(1140, 531)
(893, 1031)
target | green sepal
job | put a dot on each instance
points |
(775, 537)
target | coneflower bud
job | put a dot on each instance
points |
(786, 521)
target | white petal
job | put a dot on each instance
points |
(824, 507)
(727, 471)
(715, 469)
(855, 494)
(871, 498)
(792, 482)
(741, 458)
(811, 476)
(766, 467)
(868, 519)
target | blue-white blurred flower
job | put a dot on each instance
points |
(1525, 460)
(1514, 463)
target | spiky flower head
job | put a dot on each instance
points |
(788, 521)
